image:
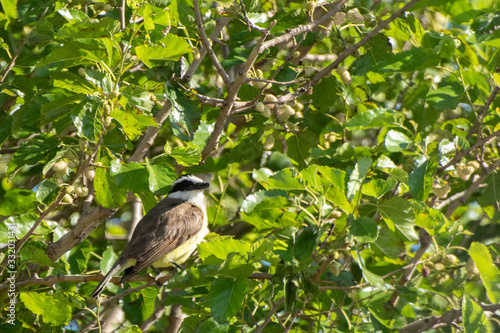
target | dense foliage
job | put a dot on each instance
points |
(352, 148)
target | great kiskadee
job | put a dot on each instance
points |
(168, 234)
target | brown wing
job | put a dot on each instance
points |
(160, 231)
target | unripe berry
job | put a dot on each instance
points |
(60, 165)
(107, 121)
(113, 94)
(269, 143)
(440, 191)
(70, 189)
(473, 164)
(464, 171)
(260, 107)
(81, 71)
(67, 199)
(449, 260)
(355, 16)
(471, 268)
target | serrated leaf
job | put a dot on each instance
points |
(357, 176)
(132, 176)
(299, 146)
(445, 98)
(490, 274)
(108, 259)
(54, 311)
(226, 297)
(221, 247)
(248, 149)
(161, 176)
(363, 229)
(174, 47)
(388, 243)
(396, 141)
(188, 155)
(33, 151)
(133, 123)
(284, 180)
(378, 187)
(107, 192)
(256, 198)
(87, 29)
(375, 119)
(475, 321)
(17, 201)
(420, 179)
(398, 214)
(47, 191)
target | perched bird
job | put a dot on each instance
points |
(168, 234)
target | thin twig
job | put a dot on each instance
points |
(122, 15)
(213, 141)
(219, 25)
(208, 46)
(342, 56)
(247, 19)
(302, 29)
(486, 107)
(259, 328)
(472, 188)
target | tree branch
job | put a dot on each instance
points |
(447, 318)
(213, 141)
(471, 189)
(208, 46)
(219, 25)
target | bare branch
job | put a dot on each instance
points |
(447, 318)
(304, 28)
(472, 188)
(220, 24)
(213, 141)
(247, 19)
(259, 328)
(208, 46)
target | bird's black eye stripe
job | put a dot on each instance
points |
(182, 186)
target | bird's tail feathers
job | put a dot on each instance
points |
(117, 267)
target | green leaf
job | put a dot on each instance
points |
(420, 180)
(174, 47)
(404, 61)
(378, 187)
(491, 193)
(87, 29)
(86, 119)
(445, 98)
(388, 243)
(398, 214)
(108, 259)
(396, 141)
(271, 213)
(248, 149)
(369, 276)
(475, 320)
(138, 98)
(54, 311)
(363, 229)
(131, 176)
(375, 119)
(161, 177)
(32, 253)
(221, 247)
(226, 297)
(256, 198)
(107, 192)
(133, 123)
(9, 9)
(284, 180)
(47, 191)
(490, 274)
(16, 226)
(357, 176)
(326, 93)
(17, 201)
(33, 151)
(188, 155)
(299, 146)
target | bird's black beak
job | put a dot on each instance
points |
(202, 186)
